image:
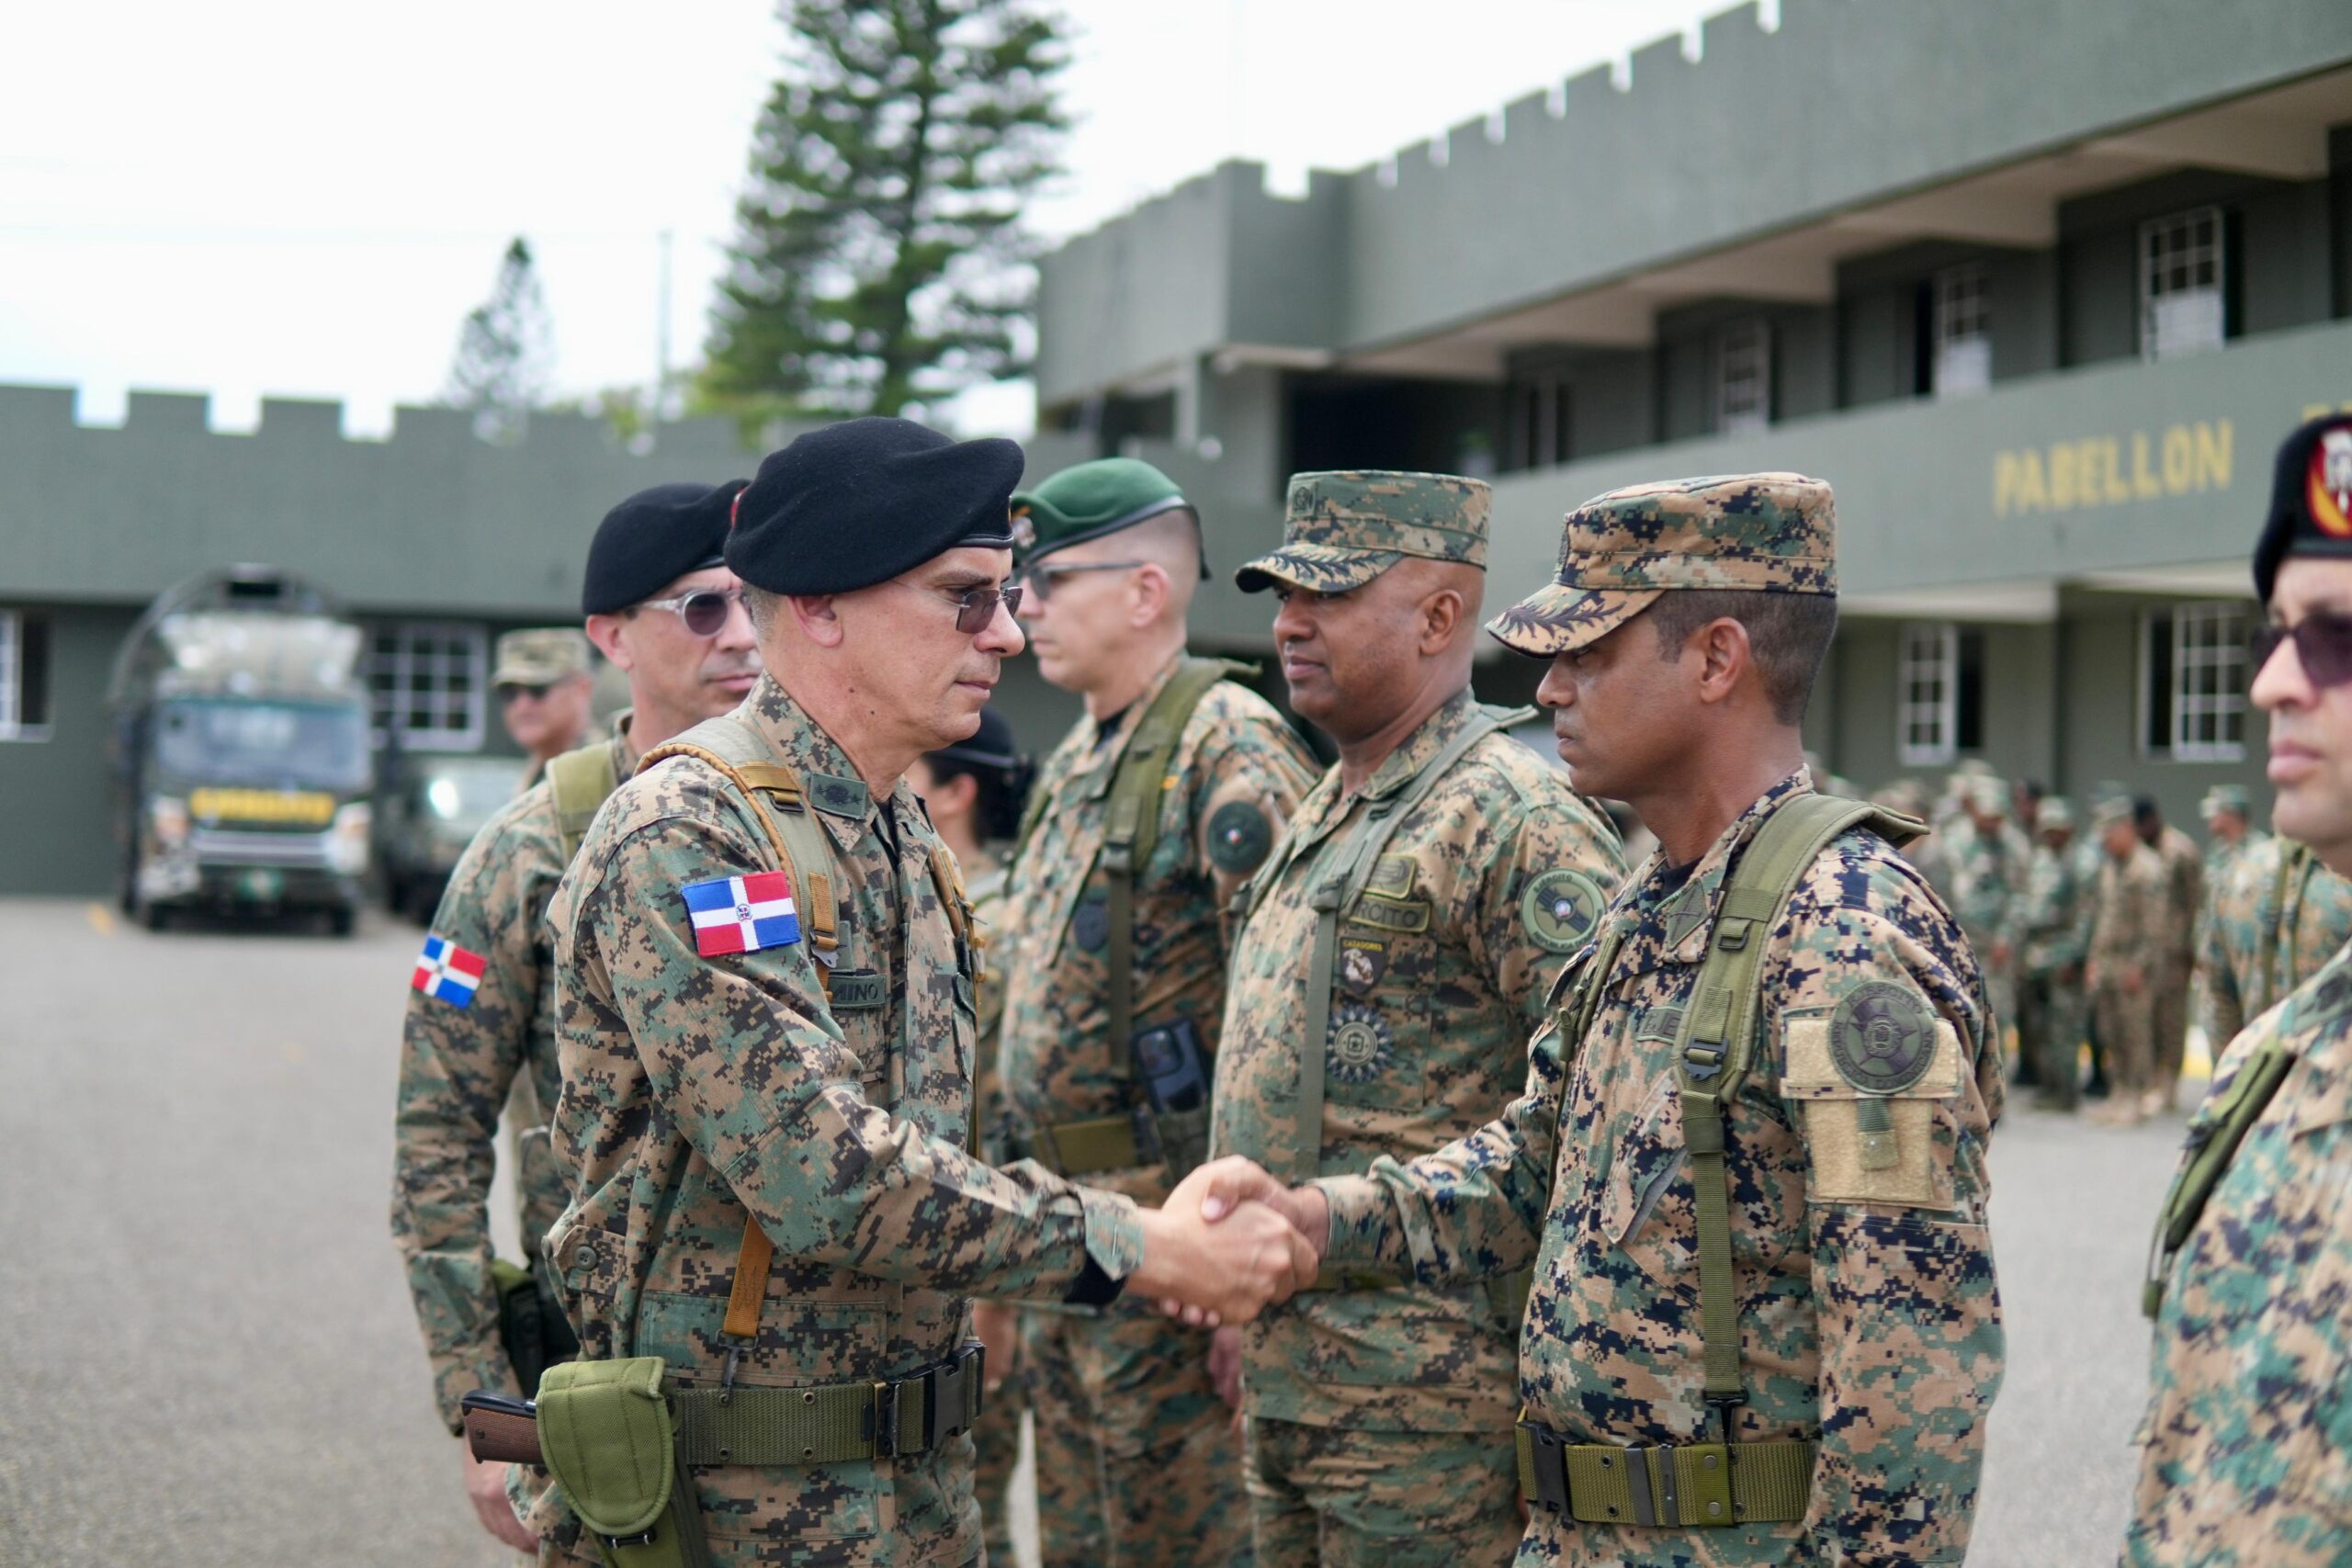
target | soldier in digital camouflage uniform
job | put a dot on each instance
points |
(2184, 867)
(973, 792)
(2274, 918)
(770, 1077)
(2125, 960)
(1986, 859)
(1374, 1405)
(1135, 1464)
(481, 1008)
(2054, 920)
(2247, 1443)
(542, 679)
(2227, 812)
(1863, 1337)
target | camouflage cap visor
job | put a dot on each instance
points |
(1557, 619)
(1318, 568)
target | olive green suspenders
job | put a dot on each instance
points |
(1722, 1481)
(580, 780)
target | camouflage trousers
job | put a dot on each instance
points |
(2051, 1017)
(996, 1443)
(2171, 982)
(2127, 1035)
(1344, 1499)
(1136, 1463)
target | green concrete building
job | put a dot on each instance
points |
(2036, 284)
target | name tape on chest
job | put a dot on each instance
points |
(447, 972)
(742, 914)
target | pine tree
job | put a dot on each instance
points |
(879, 258)
(506, 350)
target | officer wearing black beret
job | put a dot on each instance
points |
(769, 967)
(662, 606)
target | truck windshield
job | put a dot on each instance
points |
(239, 742)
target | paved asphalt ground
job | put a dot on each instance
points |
(210, 1358)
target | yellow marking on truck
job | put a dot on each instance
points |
(216, 804)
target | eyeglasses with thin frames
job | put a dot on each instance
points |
(704, 610)
(975, 607)
(1042, 578)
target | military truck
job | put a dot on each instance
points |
(430, 811)
(240, 753)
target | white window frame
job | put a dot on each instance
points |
(1744, 378)
(394, 675)
(1927, 694)
(2182, 284)
(1961, 331)
(12, 681)
(2208, 716)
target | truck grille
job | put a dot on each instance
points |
(223, 847)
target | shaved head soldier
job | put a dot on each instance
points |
(2249, 1423)
(1393, 956)
(1748, 1166)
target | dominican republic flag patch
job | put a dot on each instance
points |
(743, 914)
(447, 972)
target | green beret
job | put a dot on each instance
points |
(1089, 502)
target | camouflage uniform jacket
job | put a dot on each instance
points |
(2184, 866)
(1986, 879)
(697, 1088)
(2247, 1441)
(2222, 859)
(1056, 1058)
(1482, 892)
(2259, 944)
(457, 1065)
(2130, 929)
(2055, 912)
(1869, 1318)
(987, 891)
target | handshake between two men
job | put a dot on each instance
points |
(1230, 1242)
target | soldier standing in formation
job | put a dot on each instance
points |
(661, 602)
(974, 792)
(2127, 953)
(1394, 957)
(2228, 814)
(1986, 860)
(1750, 1164)
(2274, 918)
(2176, 969)
(1162, 799)
(766, 961)
(2053, 921)
(2247, 1441)
(540, 679)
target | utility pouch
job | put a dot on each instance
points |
(1174, 1073)
(532, 1329)
(604, 1430)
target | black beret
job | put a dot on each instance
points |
(856, 503)
(2310, 499)
(990, 746)
(652, 539)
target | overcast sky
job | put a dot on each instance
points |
(300, 197)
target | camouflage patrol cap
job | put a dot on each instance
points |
(2109, 809)
(1341, 530)
(2226, 797)
(1088, 501)
(1767, 532)
(2053, 813)
(540, 656)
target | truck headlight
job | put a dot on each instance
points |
(167, 820)
(347, 839)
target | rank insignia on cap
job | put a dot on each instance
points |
(743, 914)
(2330, 496)
(448, 973)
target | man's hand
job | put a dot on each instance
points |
(1223, 1187)
(997, 1326)
(1224, 1272)
(486, 1489)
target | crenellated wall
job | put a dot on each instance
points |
(1848, 102)
(430, 516)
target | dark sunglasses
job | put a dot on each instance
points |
(704, 610)
(2322, 646)
(977, 608)
(1044, 578)
(509, 691)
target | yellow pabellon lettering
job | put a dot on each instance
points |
(2092, 470)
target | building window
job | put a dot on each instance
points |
(1940, 693)
(1962, 332)
(1538, 422)
(24, 676)
(2181, 284)
(2193, 678)
(427, 680)
(1744, 379)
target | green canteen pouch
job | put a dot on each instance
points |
(605, 1431)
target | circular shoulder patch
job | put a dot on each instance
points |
(1240, 837)
(1882, 1036)
(1561, 909)
(1360, 1045)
